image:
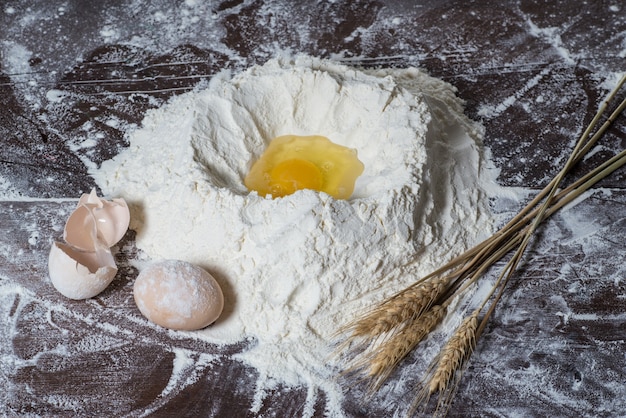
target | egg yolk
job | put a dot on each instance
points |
(292, 163)
(295, 174)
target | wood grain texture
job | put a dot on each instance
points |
(532, 72)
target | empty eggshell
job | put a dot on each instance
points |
(80, 274)
(178, 295)
(83, 267)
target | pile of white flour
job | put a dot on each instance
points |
(295, 269)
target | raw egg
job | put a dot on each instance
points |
(293, 162)
(178, 295)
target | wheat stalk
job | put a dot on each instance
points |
(396, 326)
(553, 201)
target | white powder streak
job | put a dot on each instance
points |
(495, 111)
(552, 36)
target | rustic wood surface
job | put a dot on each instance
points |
(533, 72)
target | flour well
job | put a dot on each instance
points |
(295, 269)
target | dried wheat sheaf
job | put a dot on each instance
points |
(377, 341)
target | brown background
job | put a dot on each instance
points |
(532, 71)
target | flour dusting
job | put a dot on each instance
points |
(295, 269)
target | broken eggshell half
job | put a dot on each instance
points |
(80, 274)
(84, 266)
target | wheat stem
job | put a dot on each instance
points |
(548, 208)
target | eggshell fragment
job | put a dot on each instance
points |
(79, 274)
(178, 295)
(108, 220)
(83, 267)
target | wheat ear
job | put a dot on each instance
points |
(448, 366)
(389, 354)
(406, 305)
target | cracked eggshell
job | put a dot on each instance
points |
(96, 219)
(80, 274)
(83, 266)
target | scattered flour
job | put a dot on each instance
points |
(7, 190)
(296, 269)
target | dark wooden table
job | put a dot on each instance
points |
(533, 72)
